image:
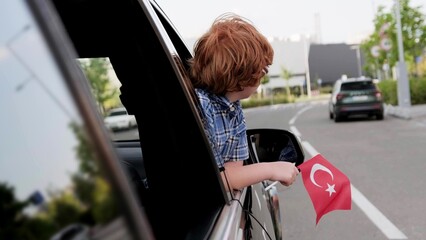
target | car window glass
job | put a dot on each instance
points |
(117, 113)
(364, 85)
(51, 186)
(106, 92)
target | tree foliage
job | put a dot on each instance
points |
(14, 222)
(413, 33)
(64, 208)
(265, 79)
(96, 71)
(286, 75)
(89, 187)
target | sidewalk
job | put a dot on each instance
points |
(415, 112)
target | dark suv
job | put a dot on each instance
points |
(355, 96)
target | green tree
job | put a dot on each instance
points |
(96, 71)
(286, 75)
(265, 79)
(15, 224)
(89, 187)
(104, 208)
(11, 213)
(413, 33)
(64, 208)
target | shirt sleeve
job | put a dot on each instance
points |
(209, 127)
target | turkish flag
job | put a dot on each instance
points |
(328, 188)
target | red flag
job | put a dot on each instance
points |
(328, 188)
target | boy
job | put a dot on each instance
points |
(229, 61)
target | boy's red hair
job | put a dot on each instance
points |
(233, 54)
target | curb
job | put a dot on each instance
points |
(399, 112)
(414, 112)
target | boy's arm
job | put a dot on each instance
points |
(237, 176)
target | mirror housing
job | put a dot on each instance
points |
(270, 145)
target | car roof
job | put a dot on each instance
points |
(359, 79)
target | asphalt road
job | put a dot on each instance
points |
(384, 160)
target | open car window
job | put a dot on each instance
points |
(105, 88)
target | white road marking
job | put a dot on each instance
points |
(294, 130)
(380, 220)
(374, 214)
(293, 119)
(308, 147)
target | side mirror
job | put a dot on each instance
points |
(270, 145)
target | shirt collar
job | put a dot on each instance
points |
(222, 100)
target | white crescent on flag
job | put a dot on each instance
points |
(316, 167)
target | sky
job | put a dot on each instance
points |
(39, 85)
(336, 21)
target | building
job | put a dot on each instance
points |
(329, 62)
(321, 64)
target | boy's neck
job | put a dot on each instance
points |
(232, 96)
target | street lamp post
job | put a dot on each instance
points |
(308, 77)
(358, 59)
(403, 84)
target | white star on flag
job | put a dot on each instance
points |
(330, 189)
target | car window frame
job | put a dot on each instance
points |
(169, 38)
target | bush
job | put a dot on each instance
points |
(387, 87)
(254, 102)
(326, 89)
(389, 91)
(277, 99)
(417, 91)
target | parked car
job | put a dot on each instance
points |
(75, 231)
(118, 119)
(355, 96)
(58, 164)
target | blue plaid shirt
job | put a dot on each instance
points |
(225, 126)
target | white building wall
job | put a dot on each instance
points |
(291, 55)
(287, 53)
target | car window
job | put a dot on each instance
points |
(117, 113)
(362, 85)
(153, 89)
(105, 88)
(50, 176)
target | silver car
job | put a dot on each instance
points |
(118, 119)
